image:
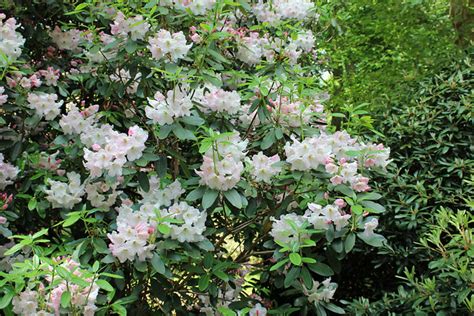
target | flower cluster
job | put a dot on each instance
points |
(165, 44)
(163, 110)
(282, 9)
(48, 162)
(220, 101)
(197, 7)
(65, 195)
(136, 229)
(3, 97)
(287, 228)
(26, 303)
(188, 223)
(136, 27)
(222, 166)
(157, 197)
(78, 122)
(132, 236)
(45, 104)
(370, 226)
(8, 172)
(346, 172)
(264, 168)
(323, 291)
(51, 76)
(111, 149)
(295, 113)
(10, 40)
(321, 217)
(29, 301)
(66, 40)
(102, 194)
(305, 40)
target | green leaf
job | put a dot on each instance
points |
(32, 204)
(203, 283)
(225, 311)
(373, 207)
(100, 245)
(13, 249)
(119, 309)
(308, 260)
(105, 285)
(369, 196)
(158, 264)
(306, 276)
(72, 218)
(164, 229)
(209, 197)
(195, 194)
(344, 189)
(144, 181)
(221, 275)
(183, 133)
(96, 266)
(6, 299)
(349, 242)
(279, 264)
(321, 269)
(291, 276)
(357, 209)
(79, 281)
(131, 46)
(268, 140)
(295, 258)
(65, 299)
(335, 309)
(193, 120)
(374, 240)
(206, 245)
(234, 198)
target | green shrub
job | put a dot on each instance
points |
(431, 142)
(447, 288)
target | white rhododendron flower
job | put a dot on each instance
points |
(8, 172)
(323, 291)
(222, 166)
(221, 101)
(10, 40)
(131, 238)
(165, 44)
(192, 222)
(197, 7)
(263, 167)
(66, 40)
(163, 110)
(65, 195)
(45, 104)
(136, 27)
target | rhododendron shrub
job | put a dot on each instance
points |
(175, 157)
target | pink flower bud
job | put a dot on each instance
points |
(151, 230)
(3, 220)
(60, 172)
(96, 147)
(340, 203)
(369, 162)
(336, 180)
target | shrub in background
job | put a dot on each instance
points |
(174, 158)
